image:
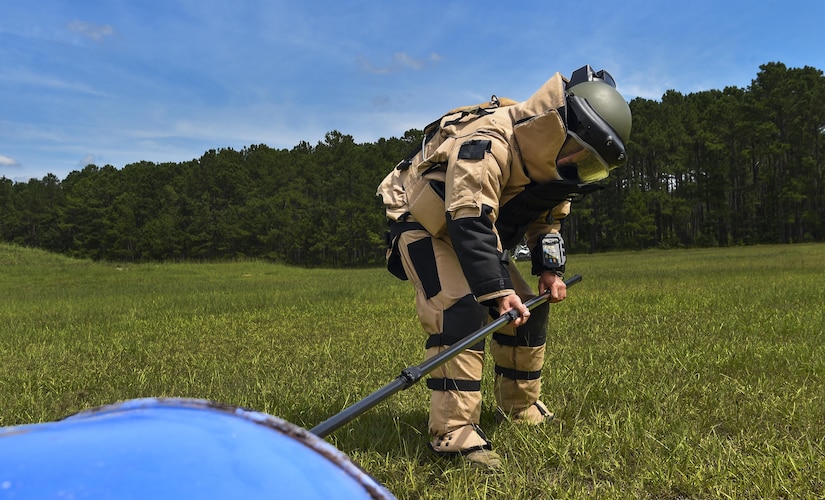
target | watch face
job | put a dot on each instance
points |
(552, 251)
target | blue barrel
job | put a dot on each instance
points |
(175, 448)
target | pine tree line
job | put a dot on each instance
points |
(719, 167)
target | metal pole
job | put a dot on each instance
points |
(413, 374)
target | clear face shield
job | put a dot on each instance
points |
(580, 162)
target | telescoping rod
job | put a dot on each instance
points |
(413, 374)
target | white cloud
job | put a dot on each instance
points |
(405, 60)
(367, 66)
(652, 92)
(41, 80)
(91, 31)
(6, 161)
(400, 61)
(89, 159)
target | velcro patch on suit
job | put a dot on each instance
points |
(474, 150)
(422, 256)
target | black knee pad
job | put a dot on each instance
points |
(463, 318)
(531, 334)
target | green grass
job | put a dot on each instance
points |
(677, 374)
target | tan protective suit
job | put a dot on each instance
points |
(450, 248)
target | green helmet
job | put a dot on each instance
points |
(599, 119)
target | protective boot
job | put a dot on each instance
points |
(470, 443)
(535, 414)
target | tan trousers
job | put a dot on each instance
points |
(448, 313)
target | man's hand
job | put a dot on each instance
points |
(549, 281)
(513, 301)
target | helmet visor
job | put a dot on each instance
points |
(593, 132)
(579, 162)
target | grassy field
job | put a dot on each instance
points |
(673, 374)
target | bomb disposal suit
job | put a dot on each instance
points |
(484, 179)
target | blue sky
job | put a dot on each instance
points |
(117, 82)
